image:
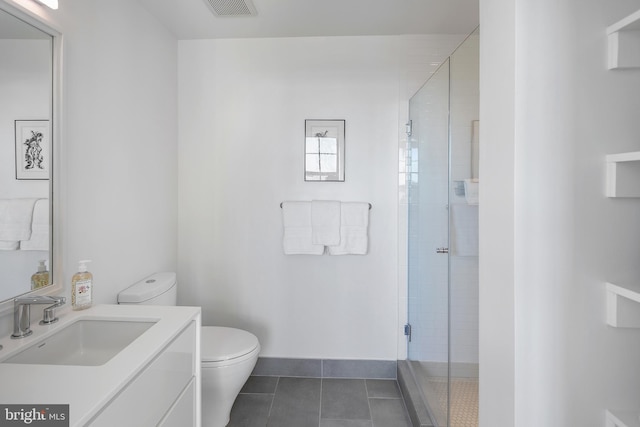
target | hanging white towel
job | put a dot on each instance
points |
(296, 218)
(39, 240)
(465, 229)
(16, 216)
(472, 191)
(325, 222)
(8, 245)
(354, 224)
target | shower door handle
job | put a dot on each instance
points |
(442, 250)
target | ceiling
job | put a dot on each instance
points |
(193, 19)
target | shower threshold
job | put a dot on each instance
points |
(431, 380)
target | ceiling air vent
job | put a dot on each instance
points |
(232, 7)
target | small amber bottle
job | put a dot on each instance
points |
(40, 279)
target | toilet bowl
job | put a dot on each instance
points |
(228, 355)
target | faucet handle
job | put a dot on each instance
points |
(49, 313)
(48, 316)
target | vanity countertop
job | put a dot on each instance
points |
(87, 389)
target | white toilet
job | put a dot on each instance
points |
(228, 355)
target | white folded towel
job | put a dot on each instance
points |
(8, 245)
(39, 240)
(354, 224)
(472, 191)
(325, 222)
(16, 216)
(464, 237)
(296, 218)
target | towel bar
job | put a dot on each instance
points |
(283, 202)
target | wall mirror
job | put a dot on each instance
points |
(324, 150)
(26, 153)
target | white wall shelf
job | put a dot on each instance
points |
(624, 42)
(623, 174)
(623, 306)
(616, 418)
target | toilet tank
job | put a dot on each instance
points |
(157, 289)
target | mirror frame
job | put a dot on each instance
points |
(35, 15)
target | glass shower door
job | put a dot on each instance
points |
(443, 254)
(428, 260)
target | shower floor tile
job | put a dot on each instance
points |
(464, 395)
(464, 400)
(319, 402)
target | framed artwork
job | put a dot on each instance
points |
(324, 150)
(33, 149)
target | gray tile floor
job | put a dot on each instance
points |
(319, 402)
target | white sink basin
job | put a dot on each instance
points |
(83, 343)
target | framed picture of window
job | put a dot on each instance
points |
(324, 150)
(33, 148)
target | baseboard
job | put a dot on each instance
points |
(326, 368)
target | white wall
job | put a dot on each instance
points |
(550, 112)
(242, 109)
(121, 143)
(497, 245)
(119, 171)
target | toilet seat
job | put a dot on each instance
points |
(220, 346)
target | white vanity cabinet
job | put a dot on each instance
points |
(153, 381)
(163, 393)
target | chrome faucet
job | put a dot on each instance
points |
(22, 313)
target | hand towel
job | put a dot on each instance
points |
(472, 191)
(354, 224)
(39, 240)
(464, 233)
(8, 245)
(325, 222)
(16, 216)
(296, 218)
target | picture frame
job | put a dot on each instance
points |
(324, 150)
(33, 149)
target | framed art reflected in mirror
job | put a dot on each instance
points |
(33, 148)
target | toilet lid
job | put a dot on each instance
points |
(218, 343)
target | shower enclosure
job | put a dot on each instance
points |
(443, 239)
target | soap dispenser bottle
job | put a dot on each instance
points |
(41, 277)
(82, 287)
